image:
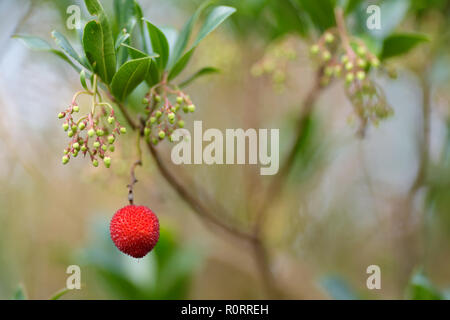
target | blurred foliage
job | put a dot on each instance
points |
(165, 273)
(338, 288)
(421, 288)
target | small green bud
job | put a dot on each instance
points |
(344, 58)
(155, 141)
(161, 134)
(157, 98)
(75, 153)
(360, 75)
(191, 108)
(104, 147)
(112, 148)
(145, 101)
(349, 77)
(361, 50)
(111, 139)
(81, 126)
(91, 133)
(95, 163)
(100, 132)
(349, 66)
(76, 146)
(185, 109)
(326, 55)
(375, 62)
(152, 120)
(329, 38)
(65, 159)
(96, 144)
(179, 99)
(328, 71)
(61, 115)
(66, 151)
(314, 49)
(123, 130)
(70, 133)
(362, 63)
(74, 128)
(83, 148)
(76, 108)
(177, 107)
(171, 116)
(181, 123)
(158, 114)
(65, 126)
(107, 162)
(110, 120)
(147, 131)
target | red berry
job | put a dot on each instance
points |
(134, 230)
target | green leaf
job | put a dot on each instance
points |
(214, 19)
(20, 293)
(398, 44)
(98, 42)
(420, 288)
(129, 76)
(199, 73)
(62, 42)
(321, 12)
(83, 79)
(59, 294)
(38, 44)
(181, 64)
(183, 38)
(121, 39)
(159, 44)
(153, 76)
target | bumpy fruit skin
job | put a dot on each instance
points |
(134, 230)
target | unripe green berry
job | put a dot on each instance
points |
(314, 49)
(349, 66)
(111, 139)
(362, 63)
(152, 120)
(107, 162)
(65, 159)
(171, 116)
(185, 109)
(344, 58)
(61, 115)
(83, 148)
(181, 123)
(75, 153)
(158, 114)
(360, 75)
(123, 130)
(361, 50)
(104, 147)
(65, 126)
(76, 146)
(375, 62)
(329, 38)
(91, 133)
(70, 133)
(349, 77)
(112, 148)
(100, 132)
(95, 163)
(179, 99)
(161, 134)
(326, 55)
(76, 108)
(328, 71)
(157, 98)
(110, 120)
(147, 131)
(155, 141)
(145, 101)
(96, 144)
(191, 108)
(81, 126)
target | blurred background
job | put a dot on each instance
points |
(383, 200)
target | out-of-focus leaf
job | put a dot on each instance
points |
(38, 44)
(159, 44)
(338, 288)
(98, 42)
(398, 44)
(352, 5)
(321, 12)
(420, 288)
(199, 73)
(183, 38)
(59, 294)
(181, 64)
(129, 76)
(83, 79)
(20, 293)
(64, 44)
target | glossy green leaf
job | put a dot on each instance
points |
(181, 64)
(38, 44)
(98, 42)
(420, 288)
(153, 76)
(62, 42)
(199, 73)
(214, 19)
(129, 76)
(398, 44)
(159, 44)
(185, 33)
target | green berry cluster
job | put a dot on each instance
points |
(351, 60)
(275, 62)
(93, 134)
(164, 114)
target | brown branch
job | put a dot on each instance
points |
(133, 181)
